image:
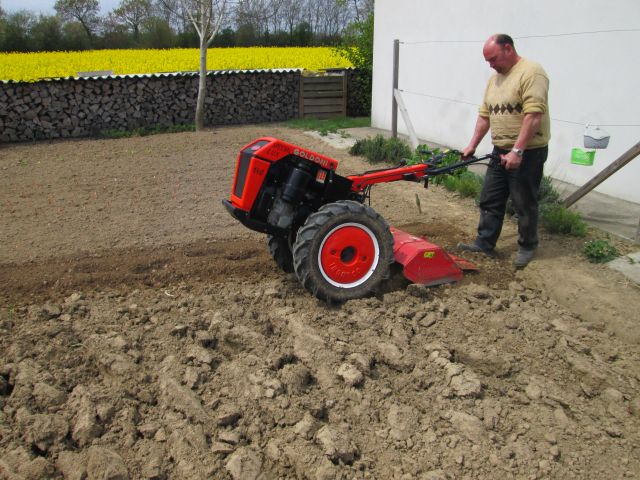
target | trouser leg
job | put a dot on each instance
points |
(493, 200)
(524, 187)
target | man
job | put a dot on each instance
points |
(515, 110)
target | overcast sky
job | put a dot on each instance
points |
(46, 6)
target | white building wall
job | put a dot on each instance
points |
(594, 77)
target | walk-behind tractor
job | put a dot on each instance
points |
(318, 225)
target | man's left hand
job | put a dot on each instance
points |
(511, 161)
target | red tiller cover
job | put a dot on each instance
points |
(425, 262)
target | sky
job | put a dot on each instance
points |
(46, 6)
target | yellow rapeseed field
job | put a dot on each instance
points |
(30, 67)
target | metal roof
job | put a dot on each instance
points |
(162, 75)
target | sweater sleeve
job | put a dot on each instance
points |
(535, 92)
(483, 111)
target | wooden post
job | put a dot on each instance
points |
(394, 103)
(407, 119)
(625, 158)
(345, 93)
(301, 99)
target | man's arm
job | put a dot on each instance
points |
(482, 127)
(530, 125)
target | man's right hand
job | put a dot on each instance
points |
(468, 152)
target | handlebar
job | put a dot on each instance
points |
(416, 172)
(463, 163)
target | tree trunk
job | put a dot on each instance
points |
(202, 85)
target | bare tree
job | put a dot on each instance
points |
(206, 17)
(257, 13)
(84, 11)
(326, 17)
(133, 13)
(361, 9)
(291, 14)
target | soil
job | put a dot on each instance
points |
(144, 333)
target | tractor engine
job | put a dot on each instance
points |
(278, 185)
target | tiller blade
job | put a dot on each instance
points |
(425, 262)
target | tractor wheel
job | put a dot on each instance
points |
(281, 252)
(343, 251)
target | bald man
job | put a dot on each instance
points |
(516, 111)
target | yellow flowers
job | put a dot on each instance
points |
(30, 67)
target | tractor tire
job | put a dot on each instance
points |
(281, 252)
(343, 251)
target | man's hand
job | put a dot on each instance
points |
(482, 127)
(468, 152)
(511, 161)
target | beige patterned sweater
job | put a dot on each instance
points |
(507, 98)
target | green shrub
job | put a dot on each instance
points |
(557, 219)
(546, 193)
(397, 150)
(423, 154)
(379, 149)
(449, 182)
(469, 184)
(600, 251)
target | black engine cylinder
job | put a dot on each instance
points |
(296, 185)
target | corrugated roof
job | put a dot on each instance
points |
(164, 74)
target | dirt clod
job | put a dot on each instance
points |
(144, 333)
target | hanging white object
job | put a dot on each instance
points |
(595, 137)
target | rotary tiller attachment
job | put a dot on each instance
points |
(427, 263)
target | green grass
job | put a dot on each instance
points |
(329, 125)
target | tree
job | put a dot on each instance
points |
(361, 9)
(46, 34)
(206, 17)
(75, 37)
(357, 46)
(17, 31)
(3, 28)
(225, 38)
(302, 35)
(246, 35)
(291, 14)
(133, 13)
(158, 34)
(115, 34)
(84, 11)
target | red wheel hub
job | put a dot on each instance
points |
(348, 255)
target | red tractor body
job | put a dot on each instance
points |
(319, 227)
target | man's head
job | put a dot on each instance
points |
(500, 53)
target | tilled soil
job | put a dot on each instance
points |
(146, 334)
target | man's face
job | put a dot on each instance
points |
(497, 56)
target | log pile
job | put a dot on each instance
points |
(81, 107)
